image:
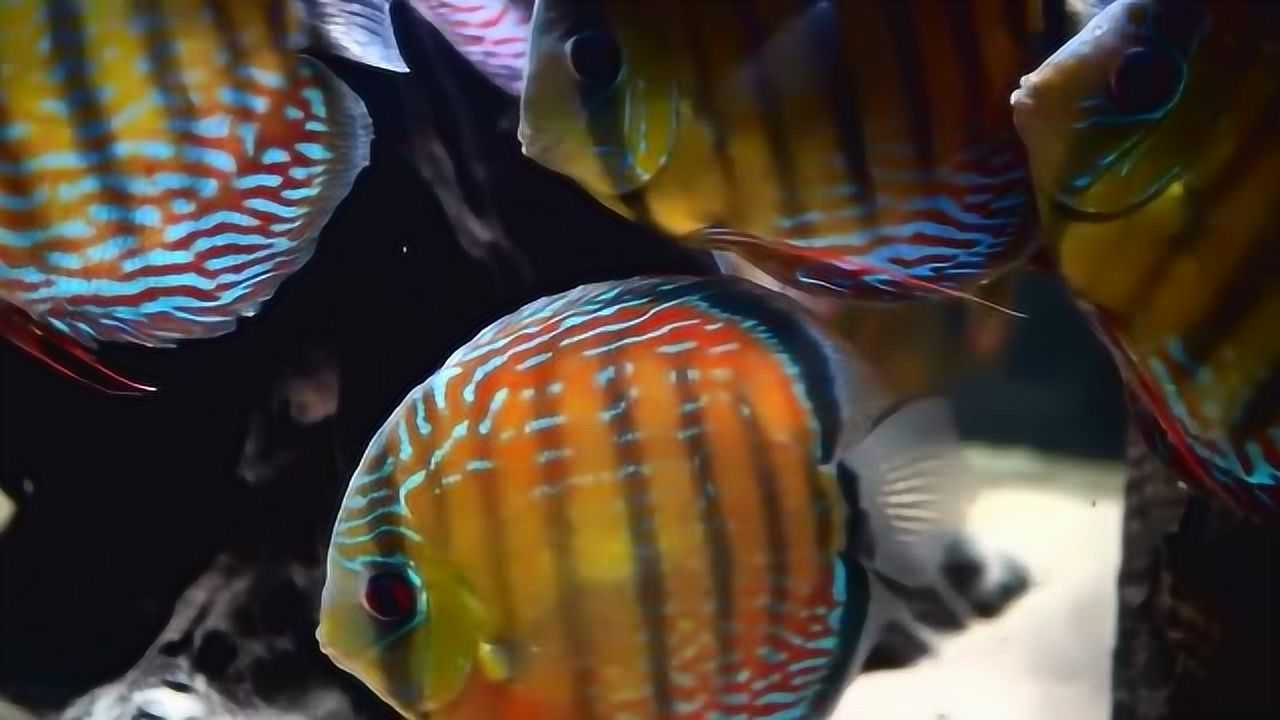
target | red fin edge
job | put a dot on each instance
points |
(63, 354)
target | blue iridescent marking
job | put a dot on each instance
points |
(179, 230)
(315, 99)
(534, 361)
(495, 403)
(543, 423)
(269, 78)
(237, 97)
(314, 151)
(406, 447)
(261, 180)
(275, 208)
(274, 156)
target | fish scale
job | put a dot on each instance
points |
(630, 487)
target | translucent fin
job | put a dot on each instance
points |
(352, 135)
(64, 354)
(359, 30)
(914, 485)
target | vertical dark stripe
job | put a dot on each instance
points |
(766, 101)
(857, 592)
(906, 57)
(18, 183)
(831, 53)
(162, 58)
(711, 517)
(1255, 273)
(705, 101)
(1018, 26)
(973, 97)
(495, 530)
(646, 556)
(790, 329)
(554, 476)
(386, 544)
(237, 56)
(820, 502)
(90, 124)
(490, 486)
(606, 118)
(775, 538)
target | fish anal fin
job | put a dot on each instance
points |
(812, 270)
(64, 354)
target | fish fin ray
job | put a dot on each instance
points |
(359, 30)
(914, 484)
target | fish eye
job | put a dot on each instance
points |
(595, 58)
(1145, 80)
(390, 596)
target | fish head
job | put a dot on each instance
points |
(1102, 117)
(394, 611)
(601, 99)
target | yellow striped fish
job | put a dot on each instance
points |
(847, 148)
(1154, 139)
(650, 498)
(165, 165)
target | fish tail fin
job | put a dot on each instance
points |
(914, 485)
(64, 354)
(359, 30)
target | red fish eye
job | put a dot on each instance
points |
(390, 596)
(1145, 80)
(594, 56)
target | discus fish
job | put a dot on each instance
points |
(656, 497)
(493, 35)
(164, 166)
(847, 148)
(1154, 139)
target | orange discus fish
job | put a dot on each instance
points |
(651, 498)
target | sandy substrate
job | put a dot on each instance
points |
(1049, 656)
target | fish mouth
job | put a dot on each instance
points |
(1021, 98)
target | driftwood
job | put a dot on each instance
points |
(1195, 636)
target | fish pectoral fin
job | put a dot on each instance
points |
(494, 661)
(915, 484)
(359, 30)
(64, 354)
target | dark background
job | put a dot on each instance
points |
(123, 502)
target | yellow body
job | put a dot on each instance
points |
(830, 138)
(1164, 219)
